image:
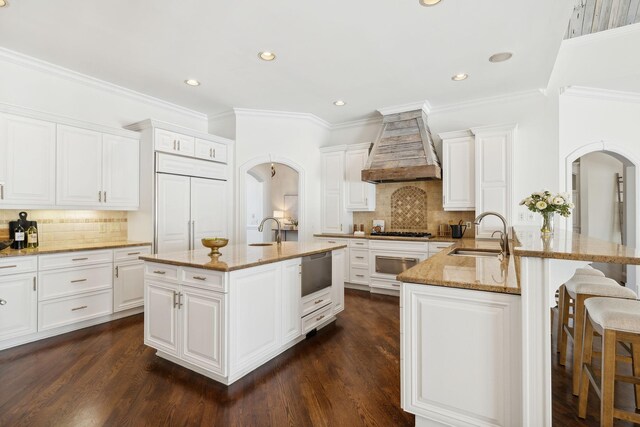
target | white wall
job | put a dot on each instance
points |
(293, 139)
(598, 196)
(33, 84)
(223, 125)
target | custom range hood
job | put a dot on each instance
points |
(404, 151)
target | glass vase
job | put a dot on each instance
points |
(547, 223)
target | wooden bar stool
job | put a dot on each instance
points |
(580, 288)
(585, 271)
(616, 320)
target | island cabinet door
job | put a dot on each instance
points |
(291, 299)
(203, 337)
(161, 317)
(255, 314)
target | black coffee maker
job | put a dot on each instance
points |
(25, 225)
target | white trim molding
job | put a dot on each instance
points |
(411, 106)
(601, 35)
(248, 112)
(601, 94)
(479, 102)
(58, 71)
(357, 123)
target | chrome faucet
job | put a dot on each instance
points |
(261, 227)
(504, 238)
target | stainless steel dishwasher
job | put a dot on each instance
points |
(316, 273)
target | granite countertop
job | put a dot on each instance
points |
(51, 248)
(373, 237)
(239, 256)
(571, 246)
(482, 273)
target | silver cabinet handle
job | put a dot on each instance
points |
(359, 257)
(320, 317)
(9, 266)
(359, 275)
(180, 300)
(214, 153)
(3, 301)
(210, 152)
(189, 233)
(174, 144)
(78, 280)
(330, 241)
(199, 278)
(1, 191)
(396, 284)
(193, 234)
(80, 259)
(105, 196)
(178, 145)
(82, 307)
(100, 196)
(175, 299)
(133, 253)
(318, 301)
(117, 271)
(159, 272)
(34, 283)
(392, 258)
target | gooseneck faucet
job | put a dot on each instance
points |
(261, 227)
(504, 239)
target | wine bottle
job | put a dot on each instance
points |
(18, 236)
(32, 237)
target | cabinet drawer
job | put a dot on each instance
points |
(130, 254)
(335, 241)
(14, 265)
(359, 257)
(319, 299)
(161, 271)
(173, 142)
(435, 247)
(314, 320)
(203, 278)
(210, 150)
(358, 243)
(385, 284)
(65, 311)
(74, 259)
(359, 275)
(73, 281)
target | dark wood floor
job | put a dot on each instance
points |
(347, 375)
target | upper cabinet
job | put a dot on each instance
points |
(359, 195)
(458, 171)
(210, 150)
(175, 143)
(27, 162)
(96, 170)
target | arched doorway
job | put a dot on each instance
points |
(623, 227)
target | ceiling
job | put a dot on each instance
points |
(372, 54)
(592, 16)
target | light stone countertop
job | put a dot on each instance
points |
(488, 274)
(240, 256)
(571, 246)
(51, 248)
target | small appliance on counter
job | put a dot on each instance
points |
(24, 233)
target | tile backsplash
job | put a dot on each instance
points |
(71, 226)
(412, 206)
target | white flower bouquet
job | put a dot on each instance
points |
(547, 204)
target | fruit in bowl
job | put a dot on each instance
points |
(214, 243)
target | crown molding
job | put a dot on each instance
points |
(514, 96)
(602, 35)
(154, 123)
(52, 69)
(601, 94)
(357, 123)
(222, 115)
(249, 112)
(394, 109)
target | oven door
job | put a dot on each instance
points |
(385, 264)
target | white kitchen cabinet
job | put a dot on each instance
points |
(334, 216)
(210, 150)
(338, 262)
(440, 328)
(174, 142)
(359, 195)
(128, 277)
(18, 305)
(291, 295)
(161, 316)
(27, 162)
(494, 177)
(96, 170)
(202, 325)
(458, 168)
(188, 210)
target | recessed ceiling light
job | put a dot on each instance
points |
(190, 82)
(3, 3)
(459, 77)
(500, 57)
(267, 56)
(339, 103)
(429, 2)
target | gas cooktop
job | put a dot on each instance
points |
(402, 233)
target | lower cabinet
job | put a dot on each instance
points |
(18, 305)
(338, 261)
(161, 316)
(128, 286)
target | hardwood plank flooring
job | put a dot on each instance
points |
(347, 375)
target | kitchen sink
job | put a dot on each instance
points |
(490, 253)
(260, 244)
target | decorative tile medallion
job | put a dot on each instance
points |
(409, 209)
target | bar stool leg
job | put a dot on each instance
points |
(587, 355)
(578, 326)
(564, 319)
(560, 317)
(608, 378)
(635, 354)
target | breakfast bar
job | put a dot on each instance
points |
(224, 315)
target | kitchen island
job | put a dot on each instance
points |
(475, 330)
(224, 316)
